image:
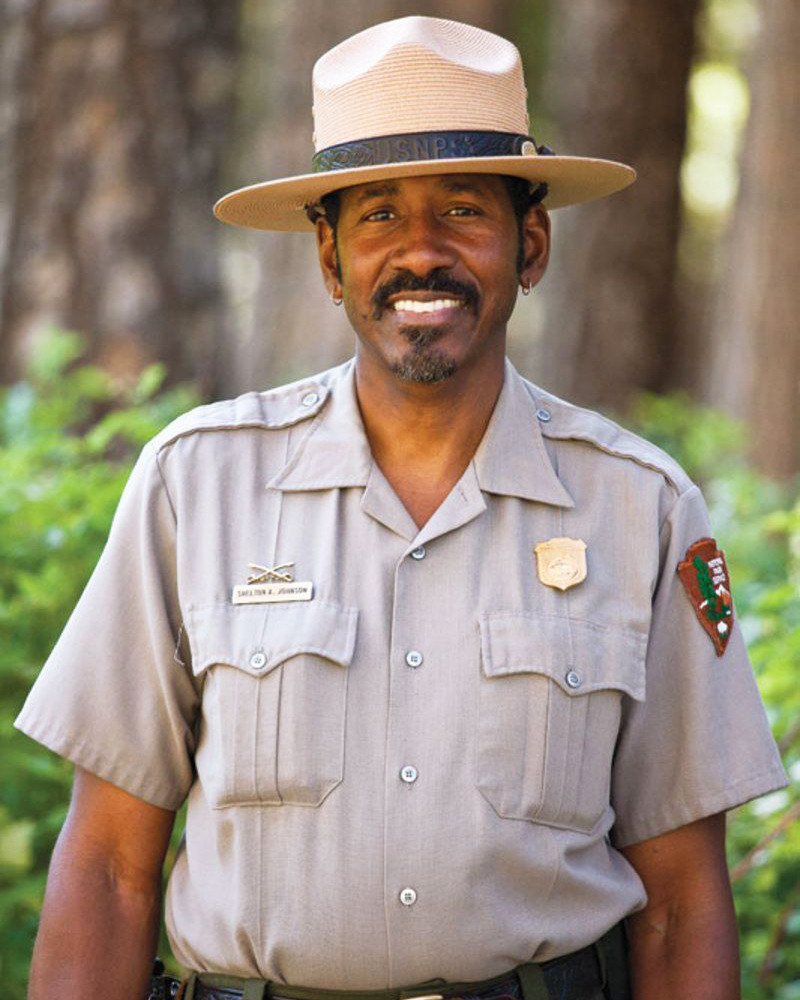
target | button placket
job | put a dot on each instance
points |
(405, 796)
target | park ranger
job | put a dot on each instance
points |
(447, 668)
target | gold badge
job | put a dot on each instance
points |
(561, 562)
(274, 585)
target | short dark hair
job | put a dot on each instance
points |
(522, 193)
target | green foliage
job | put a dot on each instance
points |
(68, 437)
(758, 526)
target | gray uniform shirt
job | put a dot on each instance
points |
(424, 770)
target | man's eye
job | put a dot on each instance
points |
(463, 210)
(379, 215)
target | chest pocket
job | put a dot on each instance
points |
(549, 712)
(274, 700)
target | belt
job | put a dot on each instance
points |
(577, 976)
(581, 975)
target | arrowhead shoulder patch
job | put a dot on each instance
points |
(704, 574)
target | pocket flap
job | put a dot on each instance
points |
(256, 638)
(579, 656)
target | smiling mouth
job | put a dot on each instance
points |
(419, 306)
(434, 292)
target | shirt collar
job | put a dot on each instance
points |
(335, 451)
(511, 459)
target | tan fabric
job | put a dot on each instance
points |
(299, 717)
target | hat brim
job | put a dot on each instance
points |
(280, 205)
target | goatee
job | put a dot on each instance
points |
(423, 363)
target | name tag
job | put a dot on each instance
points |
(272, 593)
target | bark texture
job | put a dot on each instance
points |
(285, 326)
(754, 369)
(617, 80)
(114, 118)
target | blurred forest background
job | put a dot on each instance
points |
(672, 305)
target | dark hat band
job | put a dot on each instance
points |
(407, 147)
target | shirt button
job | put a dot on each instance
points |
(418, 553)
(310, 398)
(542, 414)
(408, 896)
(258, 660)
(414, 658)
(573, 679)
(409, 774)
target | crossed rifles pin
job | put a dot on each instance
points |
(263, 574)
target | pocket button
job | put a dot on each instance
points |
(573, 679)
(258, 660)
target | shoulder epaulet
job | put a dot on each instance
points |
(564, 421)
(272, 410)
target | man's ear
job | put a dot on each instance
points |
(536, 245)
(328, 258)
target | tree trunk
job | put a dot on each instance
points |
(618, 77)
(115, 117)
(754, 371)
(285, 326)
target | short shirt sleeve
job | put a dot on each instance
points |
(700, 742)
(114, 696)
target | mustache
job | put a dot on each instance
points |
(437, 280)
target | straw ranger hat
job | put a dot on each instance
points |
(419, 96)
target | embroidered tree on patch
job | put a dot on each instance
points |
(715, 609)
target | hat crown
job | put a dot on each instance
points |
(418, 74)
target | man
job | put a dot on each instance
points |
(447, 668)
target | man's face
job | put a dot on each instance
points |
(427, 270)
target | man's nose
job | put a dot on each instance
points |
(423, 245)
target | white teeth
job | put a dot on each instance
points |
(412, 305)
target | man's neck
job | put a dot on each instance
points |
(424, 436)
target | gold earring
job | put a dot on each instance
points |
(526, 288)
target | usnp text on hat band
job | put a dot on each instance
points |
(407, 147)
